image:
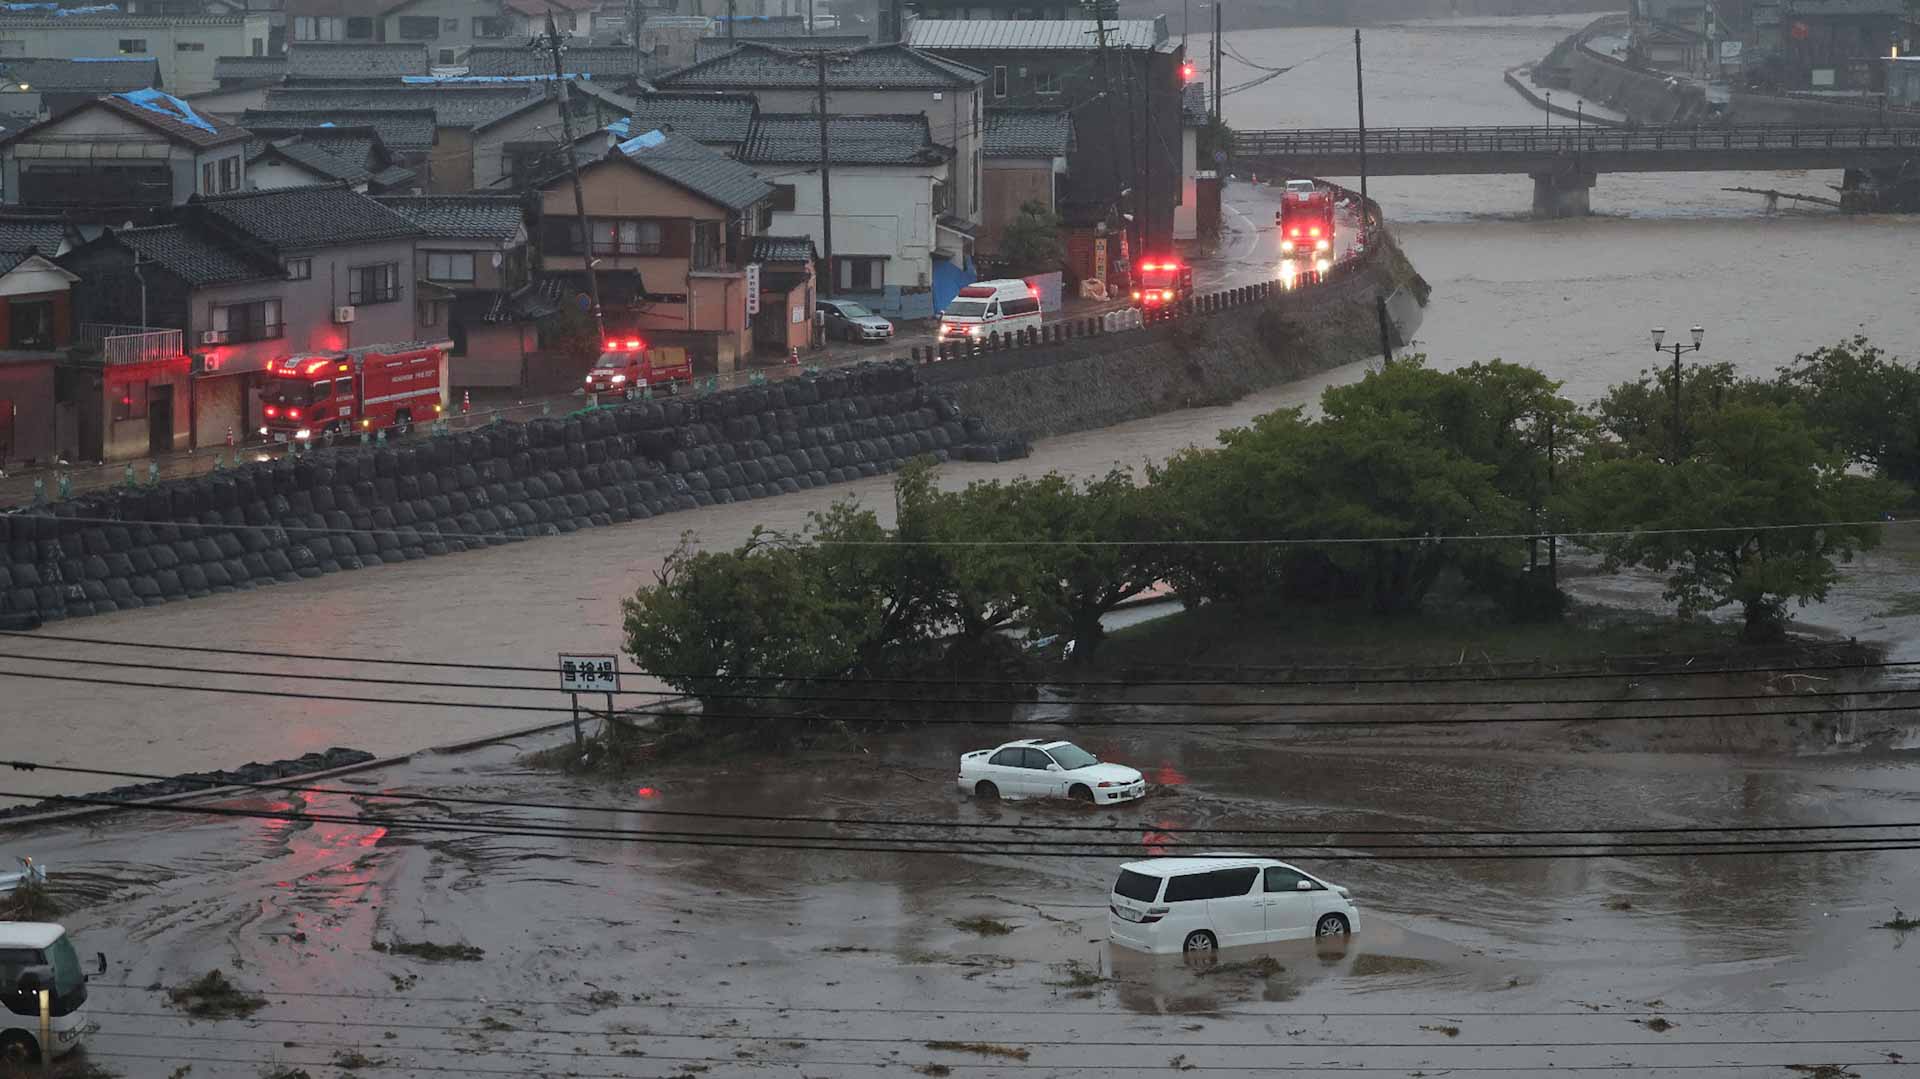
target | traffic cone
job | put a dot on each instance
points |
(793, 356)
(229, 436)
(466, 401)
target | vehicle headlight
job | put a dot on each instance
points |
(263, 430)
(303, 433)
(1286, 245)
(619, 378)
(1320, 245)
(974, 331)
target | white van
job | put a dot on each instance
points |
(1198, 905)
(36, 956)
(1004, 307)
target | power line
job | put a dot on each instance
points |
(1143, 827)
(1673, 672)
(937, 700)
(947, 721)
(299, 533)
(869, 845)
(895, 1065)
(723, 1006)
(895, 1039)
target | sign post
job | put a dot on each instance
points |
(588, 674)
(753, 288)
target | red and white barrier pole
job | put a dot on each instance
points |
(466, 401)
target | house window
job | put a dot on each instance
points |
(359, 28)
(190, 46)
(32, 324)
(419, 27)
(258, 320)
(975, 193)
(706, 245)
(450, 266)
(491, 26)
(661, 51)
(209, 176)
(628, 237)
(446, 57)
(373, 284)
(299, 269)
(999, 82)
(136, 46)
(317, 28)
(450, 25)
(229, 174)
(131, 403)
(1046, 82)
(782, 197)
(860, 274)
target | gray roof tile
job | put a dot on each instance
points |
(39, 233)
(608, 62)
(708, 118)
(1028, 133)
(762, 67)
(387, 60)
(462, 106)
(194, 256)
(782, 249)
(1041, 35)
(403, 131)
(297, 218)
(228, 68)
(106, 75)
(169, 115)
(680, 160)
(477, 217)
(317, 160)
(782, 139)
(709, 47)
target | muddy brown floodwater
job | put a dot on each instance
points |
(630, 957)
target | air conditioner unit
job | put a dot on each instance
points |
(213, 337)
(343, 314)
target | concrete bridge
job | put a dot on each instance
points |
(1565, 160)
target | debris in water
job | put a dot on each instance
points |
(212, 996)
(1011, 1052)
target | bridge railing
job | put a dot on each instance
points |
(1568, 139)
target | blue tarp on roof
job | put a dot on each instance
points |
(169, 106)
(429, 80)
(642, 142)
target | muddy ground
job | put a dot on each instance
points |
(623, 957)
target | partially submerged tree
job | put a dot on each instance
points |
(1755, 514)
(1864, 403)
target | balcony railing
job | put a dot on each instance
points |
(150, 346)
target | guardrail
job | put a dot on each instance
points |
(1542, 139)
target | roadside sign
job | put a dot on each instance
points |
(753, 288)
(589, 674)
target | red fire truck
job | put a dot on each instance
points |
(313, 395)
(1305, 220)
(1162, 282)
(629, 365)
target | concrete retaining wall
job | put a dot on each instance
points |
(342, 509)
(1645, 96)
(1268, 338)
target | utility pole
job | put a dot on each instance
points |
(1146, 145)
(1133, 168)
(731, 9)
(636, 19)
(825, 285)
(1677, 348)
(1218, 55)
(1553, 539)
(1360, 95)
(554, 43)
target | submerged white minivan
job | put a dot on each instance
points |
(1198, 905)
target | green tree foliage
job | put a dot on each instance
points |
(1749, 463)
(1637, 418)
(1095, 550)
(1031, 242)
(1865, 403)
(720, 622)
(571, 333)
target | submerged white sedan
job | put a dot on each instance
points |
(1047, 768)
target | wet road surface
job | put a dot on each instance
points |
(624, 956)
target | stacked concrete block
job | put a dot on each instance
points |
(349, 508)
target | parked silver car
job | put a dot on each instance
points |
(850, 321)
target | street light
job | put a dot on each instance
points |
(1677, 348)
(1549, 110)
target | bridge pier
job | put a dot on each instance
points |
(1562, 192)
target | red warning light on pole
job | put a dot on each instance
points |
(1187, 72)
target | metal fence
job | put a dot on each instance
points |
(151, 346)
(1541, 139)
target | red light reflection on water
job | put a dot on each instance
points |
(1159, 842)
(1168, 776)
(647, 792)
(372, 838)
